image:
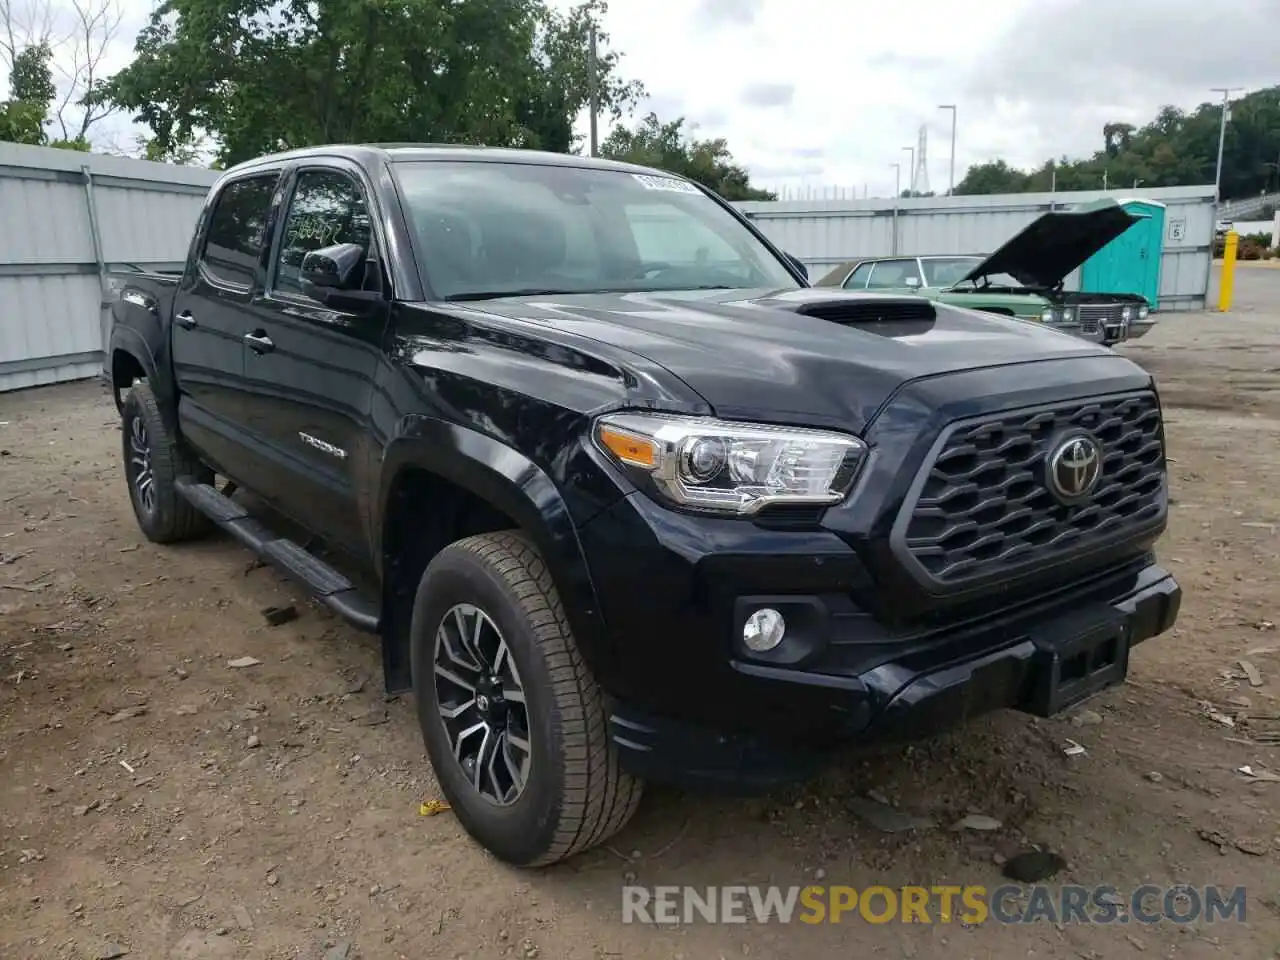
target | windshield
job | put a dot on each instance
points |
(948, 271)
(485, 229)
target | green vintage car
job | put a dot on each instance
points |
(1023, 279)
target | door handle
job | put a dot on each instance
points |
(186, 320)
(259, 342)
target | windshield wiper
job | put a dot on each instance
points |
(526, 292)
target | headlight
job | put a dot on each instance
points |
(1064, 315)
(1048, 316)
(1143, 312)
(733, 468)
(1126, 313)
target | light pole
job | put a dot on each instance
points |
(897, 196)
(951, 180)
(911, 171)
(1136, 182)
(1222, 136)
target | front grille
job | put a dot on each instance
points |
(1091, 315)
(984, 506)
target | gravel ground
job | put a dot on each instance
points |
(157, 801)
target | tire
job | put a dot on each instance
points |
(574, 794)
(150, 449)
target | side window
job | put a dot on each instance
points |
(858, 279)
(327, 208)
(893, 274)
(237, 227)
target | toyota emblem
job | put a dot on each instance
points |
(1075, 467)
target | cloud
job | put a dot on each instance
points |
(715, 13)
(1032, 79)
(1062, 68)
(765, 94)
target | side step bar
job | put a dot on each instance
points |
(329, 586)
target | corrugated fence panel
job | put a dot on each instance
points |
(826, 234)
(51, 317)
(139, 224)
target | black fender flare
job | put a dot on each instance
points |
(511, 482)
(127, 339)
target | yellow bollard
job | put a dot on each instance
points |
(1227, 282)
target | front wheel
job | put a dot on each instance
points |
(514, 723)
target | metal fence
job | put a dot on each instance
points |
(826, 233)
(65, 218)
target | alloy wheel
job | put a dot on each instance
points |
(143, 479)
(482, 704)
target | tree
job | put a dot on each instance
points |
(31, 89)
(668, 147)
(83, 102)
(70, 42)
(993, 177)
(1176, 148)
(264, 75)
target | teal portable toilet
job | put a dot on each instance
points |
(1131, 262)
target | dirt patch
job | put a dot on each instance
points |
(159, 800)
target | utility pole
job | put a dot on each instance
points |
(1222, 135)
(592, 83)
(951, 180)
(912, 182)
(1104, 181)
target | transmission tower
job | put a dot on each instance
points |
(920, 175)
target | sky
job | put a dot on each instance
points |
(827, 93)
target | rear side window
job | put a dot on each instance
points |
(237, 228)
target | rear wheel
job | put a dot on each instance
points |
(153, 460)
(514, 722)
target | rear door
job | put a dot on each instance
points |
(209, 316)
(310, 367)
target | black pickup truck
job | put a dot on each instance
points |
(622, 495)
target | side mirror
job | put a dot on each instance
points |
(913, 281)
(334, 275)
(335, 267)
(795, 262)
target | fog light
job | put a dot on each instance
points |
(763, 630)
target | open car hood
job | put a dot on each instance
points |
(1051, 247)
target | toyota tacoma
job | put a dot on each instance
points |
(622, 495)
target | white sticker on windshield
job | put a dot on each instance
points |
(669, 184)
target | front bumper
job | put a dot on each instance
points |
(1140, 328)
(1041, 660)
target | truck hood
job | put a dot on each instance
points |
(806, 356)
(1049, 248)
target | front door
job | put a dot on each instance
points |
(310, 368)
(209, 317)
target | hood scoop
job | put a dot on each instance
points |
(869, 310)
